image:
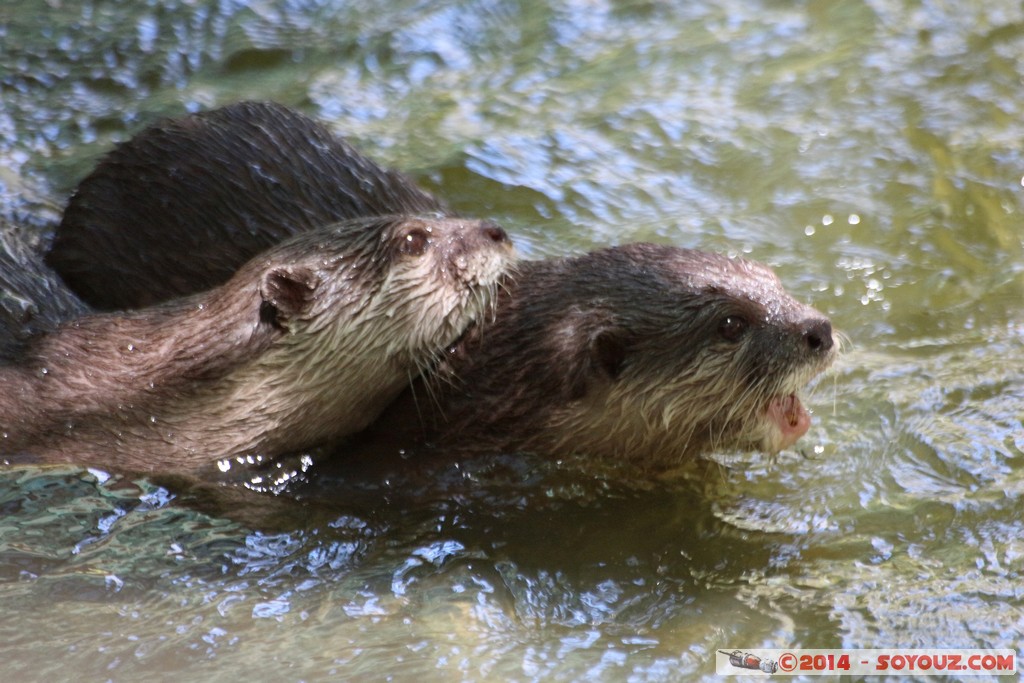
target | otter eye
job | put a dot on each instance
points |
(415, 242)
(732, 328)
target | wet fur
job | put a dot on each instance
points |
(179, 207)
(616, 353)
(305, 344)
(33, 300)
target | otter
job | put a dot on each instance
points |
(646, 353)
(33, 300)
(179, 207)
(305, 344)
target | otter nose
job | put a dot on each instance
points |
(818, 335)
(493, 232)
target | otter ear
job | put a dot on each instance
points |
(287, 294)
(608, 352)
(600, 356)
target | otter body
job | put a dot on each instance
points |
(304, 344)
(179, 207)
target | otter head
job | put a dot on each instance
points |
(442, 280)
(359, 309)
(656, 353)
(405, 282)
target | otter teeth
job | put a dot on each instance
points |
(793, 410)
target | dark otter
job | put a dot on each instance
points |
(641, 352)
(179, 207)
(32, 298)
(304, 344)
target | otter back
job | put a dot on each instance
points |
(182, 205)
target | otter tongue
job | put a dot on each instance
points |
(791, 417)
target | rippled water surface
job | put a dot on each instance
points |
(872, 152)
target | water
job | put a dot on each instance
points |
(870, 151)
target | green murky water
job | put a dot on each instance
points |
(871, 151)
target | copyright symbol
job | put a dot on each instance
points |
(787, 661)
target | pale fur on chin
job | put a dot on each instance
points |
(667, 422)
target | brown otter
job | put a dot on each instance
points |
(642, 352)
(179, 207)
(32, 298)
(304, 344)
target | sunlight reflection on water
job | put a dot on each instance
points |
(869, 151)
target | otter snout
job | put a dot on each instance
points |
(494, 233)
(817, 335)
(476, 250)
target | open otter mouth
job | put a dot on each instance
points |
(792, 419)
